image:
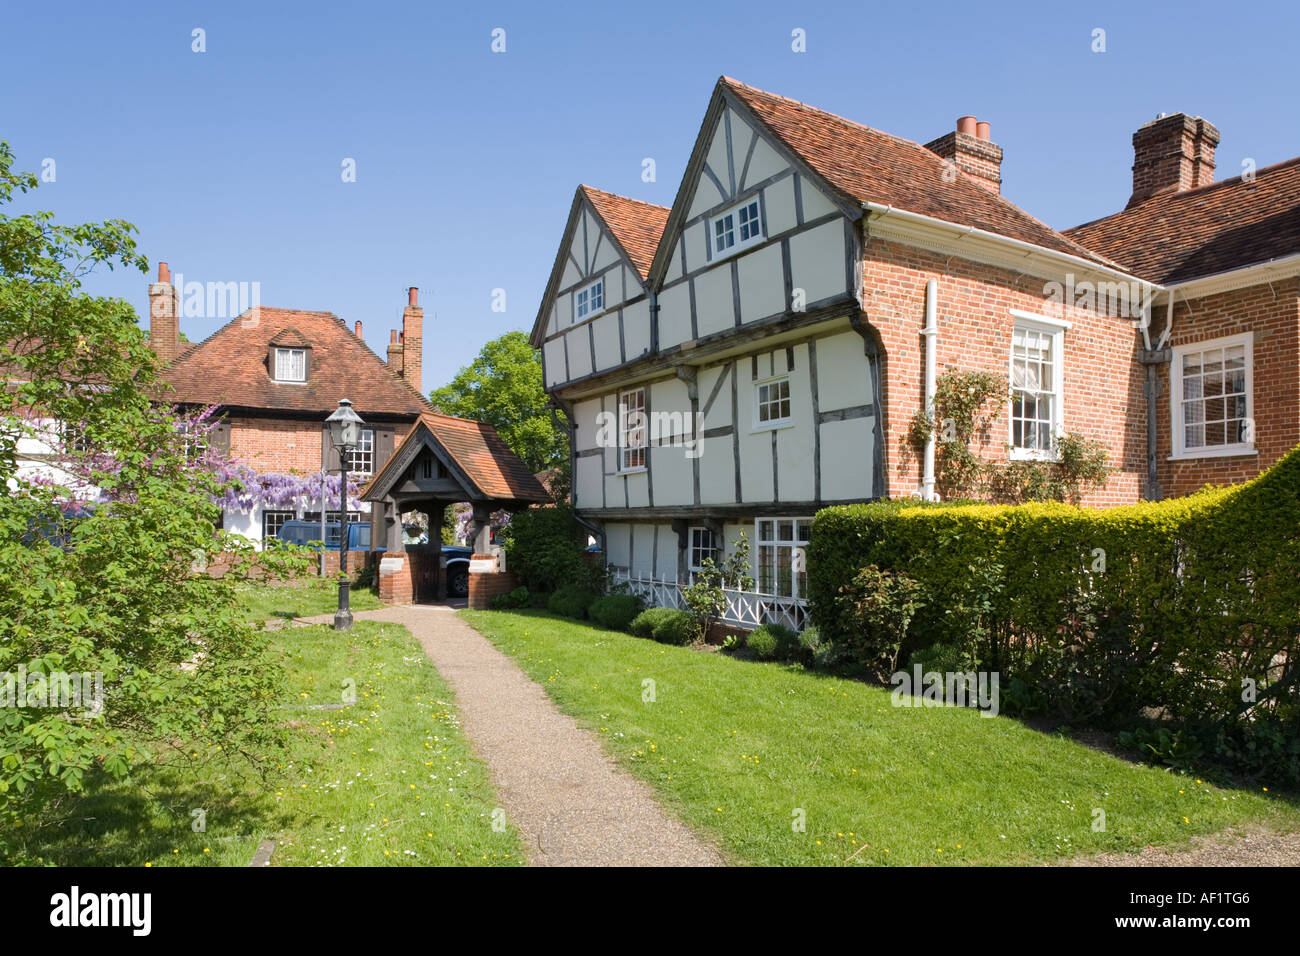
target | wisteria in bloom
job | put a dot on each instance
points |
(91, 468)
(246, 488)
(465, 521)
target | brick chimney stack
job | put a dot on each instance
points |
(970, 150)
(1172, 154)
(164, 316)
(395, 351)
(412, 339)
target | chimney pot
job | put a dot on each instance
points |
(164, 274)
(358, 328)
(392, 335)
(413, 296)
(969, 149)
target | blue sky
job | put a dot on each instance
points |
(229, 161)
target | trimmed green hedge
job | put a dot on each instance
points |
(572, 600)
(1164, 609)
(615, 611)
(665, 625)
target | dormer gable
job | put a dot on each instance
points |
(288, 357)
(595, 313)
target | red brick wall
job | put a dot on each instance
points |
(270, 446)
(1103, 383)
(396, 587)
(484, 587)
(1272, 313)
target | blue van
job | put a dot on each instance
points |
(305, 532)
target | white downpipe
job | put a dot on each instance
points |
(931, 334)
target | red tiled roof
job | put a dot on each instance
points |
(636, 225)
(230, 368)
(1198, 232)
(495, 470)
(866, 165)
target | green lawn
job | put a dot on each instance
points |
(263, 602)
(743, 750)
(387, 781)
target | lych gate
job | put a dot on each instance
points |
(440, 462)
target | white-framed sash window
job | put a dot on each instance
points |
(1211, 398)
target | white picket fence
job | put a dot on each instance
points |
(745, 609)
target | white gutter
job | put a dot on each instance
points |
(1028, 248)
(1251, 274)
(931, 334)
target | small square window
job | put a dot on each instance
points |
(772, 402)
(589, 301)
(744, 219)
(291, 365)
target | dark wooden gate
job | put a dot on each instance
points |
(426, 573)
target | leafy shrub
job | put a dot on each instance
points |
(572, 600)
(705, 596)
(1101, 615)
(615, 611)
(786, 647)
(762, 643)
(665, 625)
(547, 547)
(643, 625)
(874, 611)
(519, 597)
(943, 658)
(965, 406)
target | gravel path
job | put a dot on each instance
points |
(1229, 848)
(572, 804)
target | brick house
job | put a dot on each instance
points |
(275, 374)
(758, 350)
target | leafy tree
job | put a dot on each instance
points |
(114, 588)
(503, 386)
(706, 597)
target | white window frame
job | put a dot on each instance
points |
(797, 544)
(586, 291)
(695, 552)
(364, 453)
(772, 423)
(625, 432)
(283, 358)
(1177, 435)
(737, 243)
(282, 514)
(1055, 329)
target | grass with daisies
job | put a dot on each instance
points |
(386, 781)
(781, 766)
(262, 602)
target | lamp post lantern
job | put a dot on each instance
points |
(345, 433)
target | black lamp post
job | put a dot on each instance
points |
(345, 433)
